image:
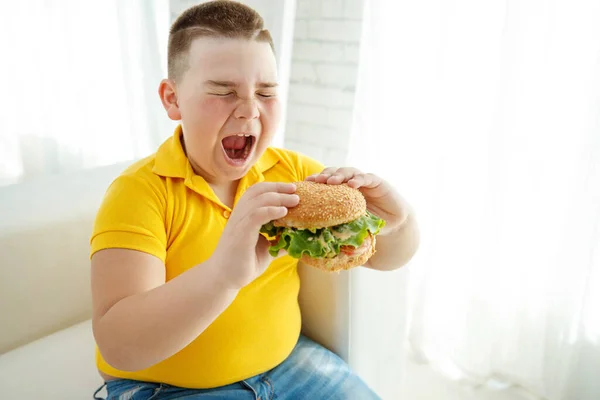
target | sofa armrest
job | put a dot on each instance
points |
(58, 366)
(325, 304)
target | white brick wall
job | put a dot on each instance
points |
(323, 78)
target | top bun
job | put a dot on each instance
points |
(322, 206)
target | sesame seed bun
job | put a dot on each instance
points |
(323, 206)
(343, 261)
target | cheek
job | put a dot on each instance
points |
(203, 110)
(203, 119)
(271, 114)
(214, 108)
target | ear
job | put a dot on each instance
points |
(168, 97)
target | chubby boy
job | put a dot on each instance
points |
(187, 301)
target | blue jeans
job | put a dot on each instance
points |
(310, 372)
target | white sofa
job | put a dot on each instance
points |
(46, 343)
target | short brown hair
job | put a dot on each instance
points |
(218, 18)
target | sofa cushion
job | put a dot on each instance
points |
(58, 366)
(44, 252)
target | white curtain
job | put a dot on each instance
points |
(486, 115)
(80, 83)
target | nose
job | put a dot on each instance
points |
(246, 109)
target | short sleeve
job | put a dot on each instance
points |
(307, 166)
(131, 216)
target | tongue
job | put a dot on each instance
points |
(234, 142)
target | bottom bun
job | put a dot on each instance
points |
(341, 261)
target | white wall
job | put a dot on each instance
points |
(323, 78)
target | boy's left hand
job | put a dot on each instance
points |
(382, 199)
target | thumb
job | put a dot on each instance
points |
(262, 250)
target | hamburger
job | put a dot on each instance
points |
(330, 229)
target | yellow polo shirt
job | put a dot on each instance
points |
(161, 207)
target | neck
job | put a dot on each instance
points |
(225, 192)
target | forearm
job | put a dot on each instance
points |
(395, 249)
(142, 330)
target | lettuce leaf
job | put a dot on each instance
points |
(323, 242)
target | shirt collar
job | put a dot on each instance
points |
(171, 161)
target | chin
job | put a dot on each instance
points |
(233, 173)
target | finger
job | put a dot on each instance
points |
(269, 199)
(359, 181)
(262, 254)
(266, 187)
(262, 246)
(365, 181)
(343, 175)
(250, 201)
(260, 216)
(325, 174)
(274, 199)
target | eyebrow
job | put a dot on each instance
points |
(230, 84)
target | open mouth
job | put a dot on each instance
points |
(238, 148)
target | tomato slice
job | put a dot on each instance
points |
(348, 250)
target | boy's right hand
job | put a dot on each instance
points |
(242, 253)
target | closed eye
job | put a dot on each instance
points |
(263, 95)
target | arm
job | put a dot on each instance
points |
(395, 249)
(399, 239)
(133, 319)
(138, 319)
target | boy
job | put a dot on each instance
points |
(187, 301)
